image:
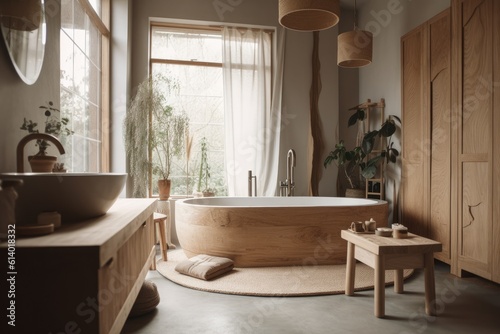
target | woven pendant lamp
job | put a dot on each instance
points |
(355, 47)
(309, 15)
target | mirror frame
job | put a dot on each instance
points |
(24, 32)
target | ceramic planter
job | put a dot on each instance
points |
(42, 163)
(164, 189)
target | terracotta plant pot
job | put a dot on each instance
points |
(42, 163)
(355, 193)
(164, 189)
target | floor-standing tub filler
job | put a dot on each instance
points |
(272, 231)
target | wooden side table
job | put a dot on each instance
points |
(160, 219)
(386, 253)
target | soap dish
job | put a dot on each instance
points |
(383, 231)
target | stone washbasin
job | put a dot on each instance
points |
(76, 196)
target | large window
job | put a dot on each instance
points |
(84, 42)
(191, 58)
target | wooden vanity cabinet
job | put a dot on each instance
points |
(85, 277)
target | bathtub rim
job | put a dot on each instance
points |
(190, 202)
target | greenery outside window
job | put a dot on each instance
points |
(191, 58)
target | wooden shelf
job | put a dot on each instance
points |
(370, 108)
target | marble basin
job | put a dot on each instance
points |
(76, 196)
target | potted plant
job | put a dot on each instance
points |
(167, 140)
(154, 135)
(204, 172)
(354, 161)
(350, 160)
(54, 125)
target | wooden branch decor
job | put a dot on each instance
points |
(316, 126)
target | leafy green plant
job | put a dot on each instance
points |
(350, 160)
(54, 125)
(389, 153)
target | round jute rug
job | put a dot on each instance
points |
(276, 281)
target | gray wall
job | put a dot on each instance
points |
(349, 97)
(20, 100)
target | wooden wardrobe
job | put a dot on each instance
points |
(450, 188)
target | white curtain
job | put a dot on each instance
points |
(253, 76)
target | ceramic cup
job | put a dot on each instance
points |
(357, 226)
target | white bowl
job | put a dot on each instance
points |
(76, 196)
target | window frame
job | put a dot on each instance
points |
(102, 23)
(191, 26)
(153, 61)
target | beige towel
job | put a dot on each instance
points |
(204, 266)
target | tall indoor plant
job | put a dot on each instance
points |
(154, 135)
(167, 140)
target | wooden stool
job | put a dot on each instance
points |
(160, 219)
(386, 253)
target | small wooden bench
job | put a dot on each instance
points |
(386, 253)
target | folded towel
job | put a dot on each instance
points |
(204, 266)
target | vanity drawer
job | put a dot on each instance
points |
(120, 278)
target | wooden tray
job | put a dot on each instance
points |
(364, 232)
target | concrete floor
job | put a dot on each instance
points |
(464, 305)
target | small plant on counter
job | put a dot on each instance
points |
(54, 125)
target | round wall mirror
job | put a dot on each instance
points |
(24, 31)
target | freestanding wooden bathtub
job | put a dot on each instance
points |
(272, 231)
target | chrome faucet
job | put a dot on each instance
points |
(250, 179)
(32, 136)
(287, 187)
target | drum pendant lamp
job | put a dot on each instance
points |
(309, 15)
(355, 47)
